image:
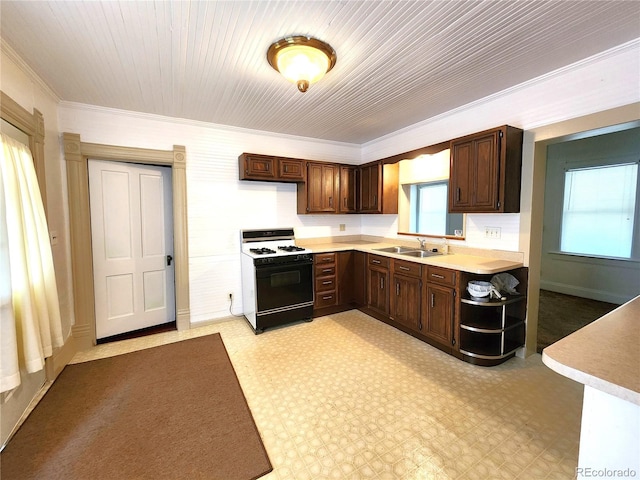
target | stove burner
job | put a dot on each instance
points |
(291, 248)
(261, 251)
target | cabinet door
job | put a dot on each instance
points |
(291, 169)
(485, 171)
(461, 176)
(405, 301)
(348, 189)
(370, 189)
(257, 167)
(378, 289)
(439, 313)
(322, 183)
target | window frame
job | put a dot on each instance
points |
(603, 163)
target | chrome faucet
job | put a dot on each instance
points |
(422, 242)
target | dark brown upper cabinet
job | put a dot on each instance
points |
(254, 166)
(320, 193)
(486, 170)
(348, 189)
(378, 187)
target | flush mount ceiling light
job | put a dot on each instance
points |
(301, 60)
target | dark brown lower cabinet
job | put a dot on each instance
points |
(340, 282)
(438, 323)
(405, 301)
(378, 284)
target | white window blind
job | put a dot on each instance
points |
(599, 210)
(431, 211)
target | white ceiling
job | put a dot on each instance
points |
(398, 62)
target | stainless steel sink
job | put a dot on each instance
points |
(420, 253)
(398, 249)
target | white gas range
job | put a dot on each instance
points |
(277, 281)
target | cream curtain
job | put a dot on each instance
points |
(30, 324)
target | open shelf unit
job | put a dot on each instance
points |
(492, 330)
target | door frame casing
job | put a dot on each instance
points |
(77, 154)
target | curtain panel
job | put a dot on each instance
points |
(30, 325)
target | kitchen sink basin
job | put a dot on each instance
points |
(420, 253)
(395, 249)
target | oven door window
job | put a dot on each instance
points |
(283, 286)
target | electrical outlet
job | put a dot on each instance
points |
(492, 232)
(343, 227)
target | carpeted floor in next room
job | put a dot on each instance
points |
(561, 315)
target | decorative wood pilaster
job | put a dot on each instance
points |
(180, 240)
(80, 238)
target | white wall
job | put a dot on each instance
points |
(219, 204)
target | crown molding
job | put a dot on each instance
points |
(12, 55)
(195, 123)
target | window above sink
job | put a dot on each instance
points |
(423, 198)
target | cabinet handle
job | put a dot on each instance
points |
(397, 289)
(381, 283)
(375, 200)
(403, 268)
(327, 297)
(375, 261)
(344, 202)
(328, 282)
(286, 169)
(437, 276)
(331, 201)
(433, 300)
(458, 194)
(327, 270)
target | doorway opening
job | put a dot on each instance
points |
(577, 288)
(77, 154)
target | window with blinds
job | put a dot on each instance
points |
(599, 210)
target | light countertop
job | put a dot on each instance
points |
(604, 355)
(454, 261)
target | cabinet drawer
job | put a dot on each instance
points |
(325, 299)
(441, 275)
(324, 284)
(378, 261)
(407, 268)
(323, 258)
(325, 270)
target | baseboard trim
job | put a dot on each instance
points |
(600, 295)
(60, 358)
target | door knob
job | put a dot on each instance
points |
(169, 259)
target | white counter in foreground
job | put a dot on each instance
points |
(605, 357)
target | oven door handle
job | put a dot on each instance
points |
(265, 270)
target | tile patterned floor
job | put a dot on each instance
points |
(348, 397)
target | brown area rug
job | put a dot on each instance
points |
(170, 412)
(560, 315)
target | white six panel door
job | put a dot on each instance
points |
(132, 237)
